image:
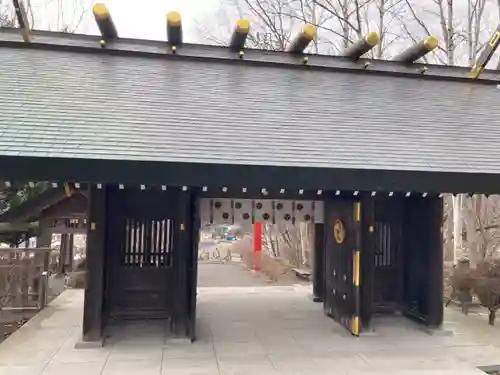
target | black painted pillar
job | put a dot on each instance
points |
(318, 271)
(63, 253)
(435, 264)
(367, 262)
(42, 258)
(193, 264)
(182, 245)
(71, 249)
(94, 288)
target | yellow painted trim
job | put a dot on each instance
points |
(357, 211)
(355, 268)
(431, 43)
(25, 33)
(100, 11)
(309, 31)
(475, 71)
(339, 231)
(242, 26)
(93, 226)
(67, 190)
(173, 19)
(355, 325)
(494, 39)
(372, 38)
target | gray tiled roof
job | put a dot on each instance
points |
(76, 105)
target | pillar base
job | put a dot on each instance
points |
(316, 298)
(80, 344)
(438, 331)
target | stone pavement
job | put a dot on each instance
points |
(264, 330)
(215, 274)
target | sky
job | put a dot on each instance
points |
(145, 19)
(207, 21)
(140, 19)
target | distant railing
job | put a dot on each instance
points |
(24, 277)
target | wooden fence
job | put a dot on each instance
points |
(23, 277)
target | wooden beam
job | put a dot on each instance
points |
(31, 209)
(417, 51)
(486, 55)
(22, 20)
(362, 46)
(303, 39)
(240, 34)
(104, 23)
(8, 228)
(174, 29)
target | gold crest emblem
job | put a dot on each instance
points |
(339, 231)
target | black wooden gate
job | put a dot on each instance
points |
(342, 262)
(141, 239)
(423, 263)
(388, 246)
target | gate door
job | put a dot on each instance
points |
(139, 253)
(342, 262)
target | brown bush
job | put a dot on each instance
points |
(484, 281)
(272, 267)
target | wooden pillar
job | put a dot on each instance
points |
(182, 241)
(435, 264)
(193, 265)
(318, 271)
(96, 237)
(70, 253)
(367, 261)
(42, 258)
(26, 272)
(63, 251)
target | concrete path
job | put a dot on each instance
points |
(230, 274)
(242, 330)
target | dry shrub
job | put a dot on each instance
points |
(484, 281)
(268, 265)
(290, 256)
(244, 248)
(272, 267)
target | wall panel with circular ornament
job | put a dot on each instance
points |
(263, 211)
(283, 213)
(243, 214)
(303, 211)
(222, 211)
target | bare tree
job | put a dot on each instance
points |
(498, 9)
(53, 15)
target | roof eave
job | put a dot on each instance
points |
(205, 53)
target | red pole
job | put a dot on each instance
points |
(257, 244)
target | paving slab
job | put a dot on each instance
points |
(262, 330)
